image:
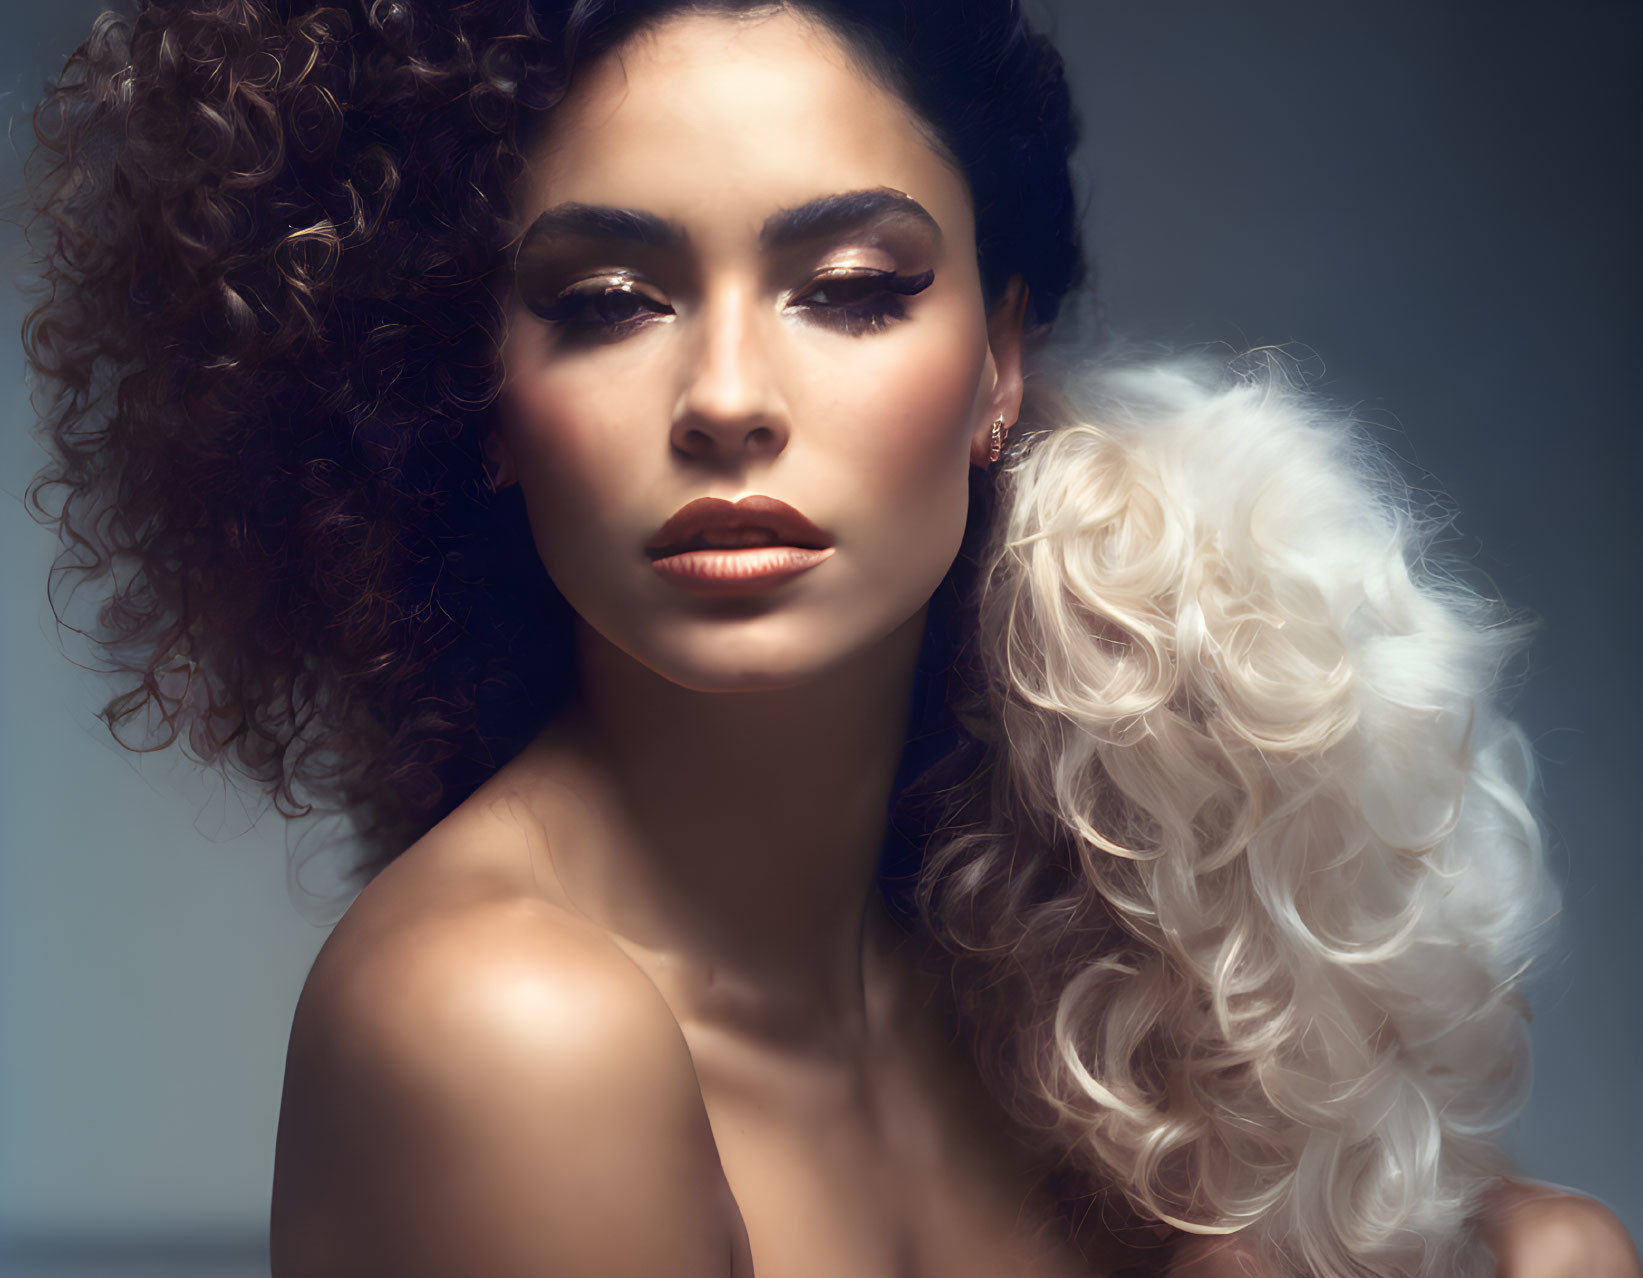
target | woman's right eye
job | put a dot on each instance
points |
(606, 306)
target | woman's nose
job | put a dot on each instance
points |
(730, 409)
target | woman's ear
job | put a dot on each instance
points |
(1004, 340)
(499, 467)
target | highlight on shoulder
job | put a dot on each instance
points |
(495, 1090)
(1540, 1231)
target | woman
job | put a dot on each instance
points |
(725, 315)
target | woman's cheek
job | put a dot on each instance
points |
(575, 470)
(914, 453)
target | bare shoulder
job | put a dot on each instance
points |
(1537, 1231)
(497, 1089)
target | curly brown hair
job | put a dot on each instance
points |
(272, 240)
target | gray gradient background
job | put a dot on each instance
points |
(1440, 200)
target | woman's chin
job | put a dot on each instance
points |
(768, 653)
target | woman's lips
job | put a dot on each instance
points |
(715, 547)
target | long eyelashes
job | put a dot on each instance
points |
(857, 301)
(604, 305)
(850, 300)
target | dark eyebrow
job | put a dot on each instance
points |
(602, 222)
(828, 215)
(848, 211)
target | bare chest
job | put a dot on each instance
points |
(871, 1177)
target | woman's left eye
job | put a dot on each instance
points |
(857, 301)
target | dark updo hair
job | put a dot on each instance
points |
(991, 91)
(271, 239)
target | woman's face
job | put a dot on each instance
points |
(745, 273)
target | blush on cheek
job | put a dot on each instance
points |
(562, 437)
(909, 452)
(919, 415)
(558, 462)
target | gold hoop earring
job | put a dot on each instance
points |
(1000, 430)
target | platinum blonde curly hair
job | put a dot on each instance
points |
(1245, 898)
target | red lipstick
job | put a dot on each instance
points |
(715, 547)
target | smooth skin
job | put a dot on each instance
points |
(634, 1009)
(1535, 1231)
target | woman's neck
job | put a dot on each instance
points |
(735, 836)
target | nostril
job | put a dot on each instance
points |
(702, 437)
(695, 443)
